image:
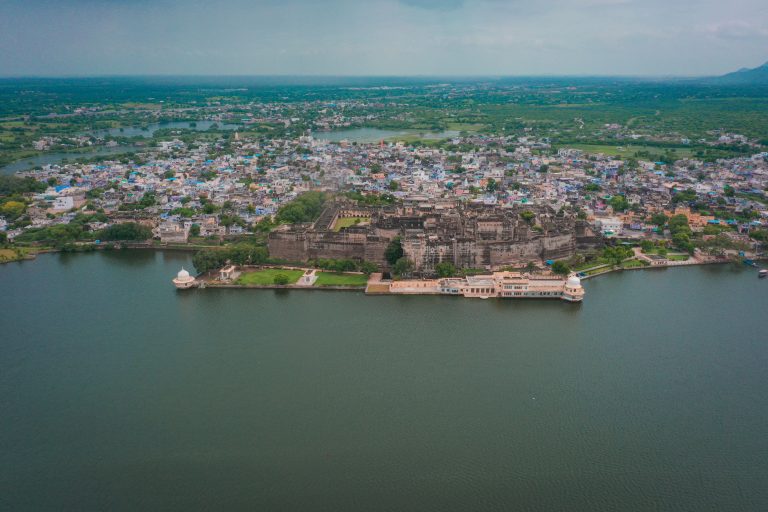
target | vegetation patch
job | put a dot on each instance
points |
(268, 276)
(628, 150)
(7, 255)
(598, 271)
(340, 279)
(634, 264)
(349, 221)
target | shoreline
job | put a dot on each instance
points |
(32, 255)
(657, 267)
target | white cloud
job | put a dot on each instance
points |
(382, 36)
(736, 29)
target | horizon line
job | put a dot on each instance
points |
(317, 75)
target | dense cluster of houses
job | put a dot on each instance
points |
(180, 185)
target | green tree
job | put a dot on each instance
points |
(618, 203)
(12, 209)
(230, 220)
(281, 279)
(194, 230)
(10, 185)
(659, 219)
(647, 246)
(617, 254)
(148, 199)
(125, 231)
(445, 269)
(210, 208)
(402, 267)
(682, 241)
(686, 196)
(305, 208)
(183, 211)
(368, 268)
(679, 224)
(561, 268)
(528, 216)
(394, 251)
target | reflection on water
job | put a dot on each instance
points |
(132, 131)
(58, 157)
(119, 392)
(149, 130)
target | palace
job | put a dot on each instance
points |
(513, 285)
(467, 236)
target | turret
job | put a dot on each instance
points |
(573, 291)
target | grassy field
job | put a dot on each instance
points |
(466, 127)
(8, 255)
(410, 139)
(267, 276)
(625, 151)
(678, 257)
(349, 221)
(148, 106)
(338, 279)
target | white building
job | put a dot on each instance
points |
(609, 225)
(63, 203)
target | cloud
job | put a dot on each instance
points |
(396, 37)
(736, 29)
(434, 4)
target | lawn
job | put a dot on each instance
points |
(678, 257)
(633, 264)
(597, 271)
(349, 221)
(338, 279)
(590, 264)
(267, 276)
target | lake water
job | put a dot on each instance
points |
(361, 135)
(43, 159)
(131, 131)
(371, 135)
(149, 130)
(119, 393)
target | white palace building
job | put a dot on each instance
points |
(512, 285)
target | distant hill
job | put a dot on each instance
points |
(745, 76)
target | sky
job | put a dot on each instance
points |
(381, 37)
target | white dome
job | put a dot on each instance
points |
(183, 274)
(573, 281)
